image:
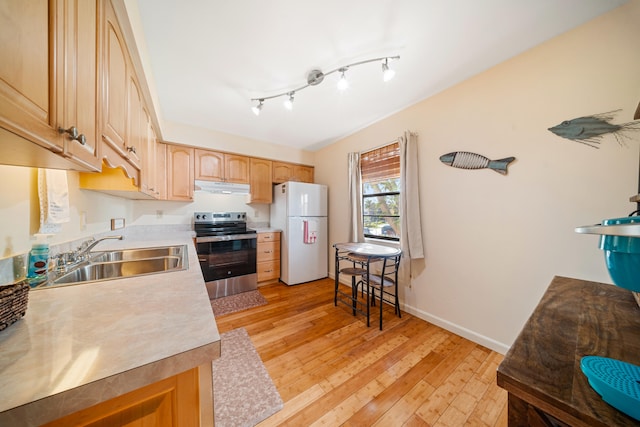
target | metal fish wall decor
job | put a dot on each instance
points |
(590, 130)
(467, 160)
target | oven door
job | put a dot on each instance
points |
(223, 257)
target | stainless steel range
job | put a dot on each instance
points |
(226, 251)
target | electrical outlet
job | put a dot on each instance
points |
(83, 221)
(117, 223)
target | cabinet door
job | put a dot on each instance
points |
(148, 142)
(282, 172)
(172, 402)
(303, 174)
(161, 169)
(136, 124)
(27, 94)
(151, 171)
(78, 98)
(180, 174)
(209, 165)
(114, 89)
(261, 187)
(236, 168)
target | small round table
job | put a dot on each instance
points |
(368, 252)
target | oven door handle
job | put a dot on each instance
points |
(227, 238)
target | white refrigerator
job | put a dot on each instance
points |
(300, 210)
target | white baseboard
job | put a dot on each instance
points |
(458, 330)
(451, 327)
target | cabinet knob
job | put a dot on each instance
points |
(72, 131)
(131, 149)
(74, 135)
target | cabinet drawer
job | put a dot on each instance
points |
(269, 237)
(268, 251)
(268, 270)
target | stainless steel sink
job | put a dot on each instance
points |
(142, 253)
(125, 263)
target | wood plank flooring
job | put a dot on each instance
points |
(331, 370)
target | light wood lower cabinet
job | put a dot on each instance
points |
(174, 401)
(268, 256)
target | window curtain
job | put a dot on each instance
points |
(411, 234)
(356, 229)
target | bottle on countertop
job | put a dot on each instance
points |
(38, 262)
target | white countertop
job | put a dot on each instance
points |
(267, 230)
(94, 341)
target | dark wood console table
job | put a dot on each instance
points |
(541, 371)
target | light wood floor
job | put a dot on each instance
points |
(331, 370)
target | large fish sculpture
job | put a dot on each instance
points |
(590, 130)
(466, 160)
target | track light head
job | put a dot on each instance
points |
(257, 108)
(343, 83)
(288, 103)
(387, 73)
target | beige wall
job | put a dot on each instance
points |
(190, 135)
(493, 243)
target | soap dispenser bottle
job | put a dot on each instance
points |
(38, 260)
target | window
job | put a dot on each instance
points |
(380, 169)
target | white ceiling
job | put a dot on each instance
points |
(210, 57)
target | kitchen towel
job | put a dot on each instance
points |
(310, 231)
(53, 193)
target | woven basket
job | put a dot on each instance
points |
(13, 303)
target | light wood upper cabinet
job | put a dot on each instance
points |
(260, 183)
(180, 174)
(303, 173)
(114, 95)
(236, 168)
(121, 98)
(78, 102)
(161, 169)
(149, 172)
(209, 165)
(48, 76)
(283, 172)
(26, 97)
(224, 167)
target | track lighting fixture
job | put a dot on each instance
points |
(315, 77)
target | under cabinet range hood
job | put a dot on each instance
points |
(221, 187)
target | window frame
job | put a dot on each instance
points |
(389, 156)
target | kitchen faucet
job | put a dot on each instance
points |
(87, 245)
(70, 259)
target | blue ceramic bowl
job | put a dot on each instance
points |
(622, 255)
